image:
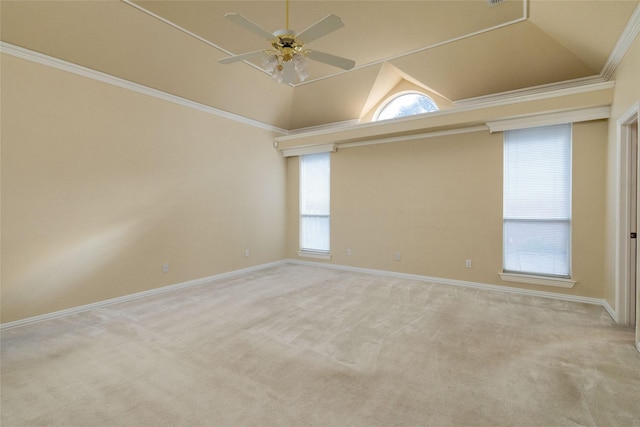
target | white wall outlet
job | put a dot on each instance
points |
(397, 256)
(348, 252)
(467, 263)
(165, 267)
(246, 253)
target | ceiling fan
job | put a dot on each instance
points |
(288, 56)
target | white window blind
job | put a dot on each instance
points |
(537, 201)
(314, 202)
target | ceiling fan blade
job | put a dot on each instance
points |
(327, 58)
(242, 57)
(249, 25)
(288, 72)
(321, 28)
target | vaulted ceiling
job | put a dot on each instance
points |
(454, 50)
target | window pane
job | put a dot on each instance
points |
(314, 201)
(314, 232)
(537, 247)
(407, 105)
(314, 184)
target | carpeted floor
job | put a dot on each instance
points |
(304, 346)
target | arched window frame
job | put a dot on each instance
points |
(395, 97)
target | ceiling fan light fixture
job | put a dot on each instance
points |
(287, 50)
(277, 75)
(300, 62)
(274, 67)
(270, 63)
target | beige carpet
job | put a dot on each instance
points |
(305, 346)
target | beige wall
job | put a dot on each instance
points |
(438, 201)
(101, 185)
(626, 93)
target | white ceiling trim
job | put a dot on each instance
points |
(313, 149)
(630, 32)
(190, 33)
(414, 137)
(69, 67)
(529, 94)
(514, 97)
(533, 93)
(573, 116)
(334, 125)
(524, 17)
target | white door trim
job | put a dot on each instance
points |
(622, 285)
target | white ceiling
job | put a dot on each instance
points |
(456, 49)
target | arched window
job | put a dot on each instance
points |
(406, 104)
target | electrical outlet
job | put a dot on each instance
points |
(165, 267)
(467, 263)
(397, 256)
(348, 252)
(246, 253)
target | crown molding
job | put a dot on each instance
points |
(313, 149)
(629, 33)
(418, 136)
(59, 64)
(572, 116)
(538, 93)
(533, 93)
(334, 125)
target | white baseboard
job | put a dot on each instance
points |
(138, 295)
(485, 286)
(144, 294)
(610, 310)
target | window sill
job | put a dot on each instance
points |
(314, 254)
(538, 280)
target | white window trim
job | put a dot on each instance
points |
(562, 282)
(395, 96)
(558, 282)
(308, 253)
(315, 253)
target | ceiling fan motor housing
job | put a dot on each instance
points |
(287, 44)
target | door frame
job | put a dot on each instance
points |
(624, 286)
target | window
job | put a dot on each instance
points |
(314, 203)
(406, 104)
(537, 201)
